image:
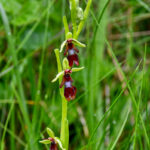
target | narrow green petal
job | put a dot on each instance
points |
(63, 45)
(77, 69)
(59, 143)
(57, 76)
(45, 141)
(78, 43)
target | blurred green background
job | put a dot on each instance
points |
(112, 106)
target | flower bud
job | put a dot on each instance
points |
(80, 14)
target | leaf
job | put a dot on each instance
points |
(57, 76)
(9, 6)
(27, 14)
(120, 126)
(45, 141)
(59, 143)
(65, 25)
(50, 133)
(77, 69)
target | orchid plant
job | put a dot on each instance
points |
(65, 69)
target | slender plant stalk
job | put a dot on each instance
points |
(64, 136)
(73, 15)
(6, 124)
(139, 102)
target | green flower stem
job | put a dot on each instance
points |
(74, 16)
(64, 135)
(81, 25)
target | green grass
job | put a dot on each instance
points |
(112, 107)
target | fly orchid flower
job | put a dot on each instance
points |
(71, 51)
(69, 89)
(52, 140)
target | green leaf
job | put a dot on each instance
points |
(9, 6)
(50, 133)
(77, 69)
(65, 26)
(27, 14)
(45, 141)
(57, 76)
(59, 143)
(120, 126)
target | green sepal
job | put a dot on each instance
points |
(77, 69)
(50, 133)
(57, 76)
(59, 143)
(45, 141)
(65, 64)
(69, 35)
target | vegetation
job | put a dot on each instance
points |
(112, 105)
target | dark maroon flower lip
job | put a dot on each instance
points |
(69, 89)
(53, 144)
